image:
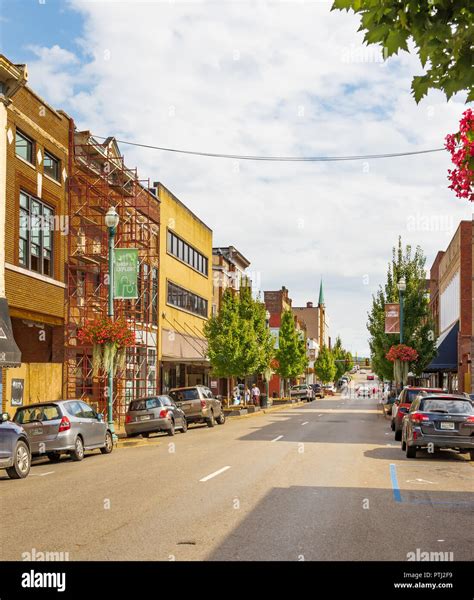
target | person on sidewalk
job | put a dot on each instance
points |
(247, 394)
(256, 394)
(236, 395)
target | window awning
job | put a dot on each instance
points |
(447, 356)
(10, 355)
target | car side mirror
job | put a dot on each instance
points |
(4, 417)
(100, 417)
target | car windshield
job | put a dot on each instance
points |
(46, 412)
(181, 395)
(460, 407)
(298, 387)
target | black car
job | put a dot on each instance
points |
(439, 421)
(318, 390)
(15, 452)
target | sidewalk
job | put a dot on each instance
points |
(124, 442)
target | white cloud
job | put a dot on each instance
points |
(274, 79)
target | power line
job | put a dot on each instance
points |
(276, 158)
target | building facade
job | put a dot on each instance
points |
(451, 302)
(185, 293)
(98, 180)
(33, 216)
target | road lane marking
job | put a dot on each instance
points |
(305, 423)
(214, 474)
(320, 415)
(277, 438)
(395, 487)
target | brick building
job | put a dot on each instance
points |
(33, 187)
(451, 301)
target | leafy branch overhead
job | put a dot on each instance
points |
(441, 30)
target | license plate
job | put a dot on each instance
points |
(144, 417)
(446, 425)
(37, 431)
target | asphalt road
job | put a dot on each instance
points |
(325, 481)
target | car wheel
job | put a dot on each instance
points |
(184, 428)
(471, 454)
(398, 435)
(221, 418)
(78, 452)
(22, 462)
(109, 443)
(54, 456)
(146, 434)
(170, 431)
(411, 451)
(211, 421)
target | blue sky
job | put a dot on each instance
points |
(29, 22)
(268, 78)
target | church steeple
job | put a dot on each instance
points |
(321, 294)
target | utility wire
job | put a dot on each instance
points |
(276, 158)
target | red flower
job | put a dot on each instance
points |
(461, 147)
(402, 352)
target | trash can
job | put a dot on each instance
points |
(263, 401)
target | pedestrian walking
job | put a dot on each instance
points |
(247, 394)
(236, 395)
(256, 394)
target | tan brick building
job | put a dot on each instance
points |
(35, 154)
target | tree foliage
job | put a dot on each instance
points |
(239, 343)
(418, 324)
(291, 353)
(441, 30)
(325, 367)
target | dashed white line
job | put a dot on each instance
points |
(214, 474)
(277, 438)
(305, 423)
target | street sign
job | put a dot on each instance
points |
(392, 318)
(125, 273)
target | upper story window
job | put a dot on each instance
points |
(183, 251)
(24, 147)
(186, 300)
(51, 166)
(35, 250)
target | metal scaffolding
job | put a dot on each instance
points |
(99, 179)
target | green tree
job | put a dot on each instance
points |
(339, 355)
(418, 325)
(441, 30)
(224, 336)
(239, 343)
(349, 361)
(325, 367)
(291, 353)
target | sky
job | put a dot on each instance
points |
(286, 78)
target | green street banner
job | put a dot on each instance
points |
(125, 273)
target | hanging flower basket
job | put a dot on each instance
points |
(110, 340)
(401, 355)
(461, 147)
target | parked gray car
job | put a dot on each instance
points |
(15, 454)
(199, 405)
(302, 392)
(154, 414)
(64, 426)
(440, 421)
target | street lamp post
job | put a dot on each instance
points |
(111, 221)
(402, 286)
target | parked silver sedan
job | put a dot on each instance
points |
(64, 427)
(154, 414)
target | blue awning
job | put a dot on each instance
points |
(447, 356)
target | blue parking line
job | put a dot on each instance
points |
(395, 487)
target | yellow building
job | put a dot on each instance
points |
(185, 293)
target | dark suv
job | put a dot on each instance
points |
(318, 390)
(440, 421)
(15, 453)
(402, 405)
